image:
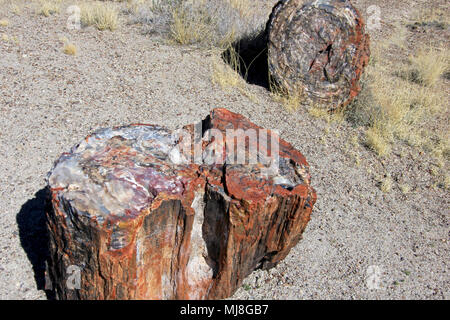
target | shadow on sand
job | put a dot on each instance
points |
(33, 235)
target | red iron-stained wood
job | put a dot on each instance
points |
(140, 224)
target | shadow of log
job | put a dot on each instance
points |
(31, 221)
(248, 56)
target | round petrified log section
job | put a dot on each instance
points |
(318, 48)
(132, 216)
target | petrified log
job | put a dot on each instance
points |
(141, 212)
(318, 48)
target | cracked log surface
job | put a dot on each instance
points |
(318, 48)
(139, 223)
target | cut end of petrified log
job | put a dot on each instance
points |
(141, 212)
(319, 48)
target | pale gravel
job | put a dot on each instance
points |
(49, 101)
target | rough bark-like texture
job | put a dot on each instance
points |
(141, 222)
(319, 48)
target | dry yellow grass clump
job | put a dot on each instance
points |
(244, 7)
(404, 188)
(103, 16)
(186, 30)
(68, 48)
(214, 24)
(428, 65)
(49, 7)
(227, 75)
(398, 101)
(208, 22)
(290, 101)
(446, 182)
(17, 8)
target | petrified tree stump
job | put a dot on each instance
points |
(319, 49)
(140, 212)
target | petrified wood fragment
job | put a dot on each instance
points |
(141, 212)
(318, 48)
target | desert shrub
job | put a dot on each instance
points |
(69, 48)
